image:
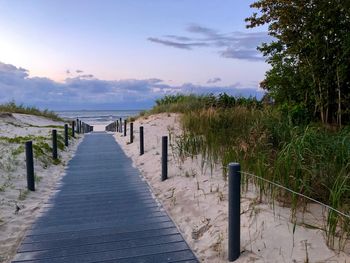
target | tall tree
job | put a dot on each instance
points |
(310, 56)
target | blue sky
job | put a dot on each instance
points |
(124, 54)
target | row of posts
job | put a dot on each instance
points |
(81, 127)
(234, 186)
(77, 126)
(117, 126)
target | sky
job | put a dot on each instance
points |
(117, 54)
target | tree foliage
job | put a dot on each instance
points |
(310, 54)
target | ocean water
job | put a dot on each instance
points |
(98, 117)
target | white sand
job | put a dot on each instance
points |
(13, 182)
(99, 127)
(196, 199)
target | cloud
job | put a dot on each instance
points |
(78, 74)
(178, 38)
(10, 73)
(86, 76)
(241, 54)
(88, 92)
(177, 44)
(213, 80)
(194, 28)
(234, 45)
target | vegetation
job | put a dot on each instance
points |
(184, 103)
(309, 55)
(309, 60)
(271, 142)
(41, 147)
(23, 193)
(12, 107)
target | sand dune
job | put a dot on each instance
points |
(196, 199)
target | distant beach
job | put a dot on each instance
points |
(97, 117)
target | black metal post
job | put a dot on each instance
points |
(124, 127)
(54, 144)
(73, 127)
(120, 125)
(141, 141)
(78, 130)
(234, 211)
(131, 132)
(164, 158)
(66, 134)
(30, 166)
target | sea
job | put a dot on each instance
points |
(97, 117)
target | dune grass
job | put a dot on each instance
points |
(41, 146)
(185, 103)
(274, 144)
(12, 107)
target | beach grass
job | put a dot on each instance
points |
(306, 157)
(41, 147)
(12, 107)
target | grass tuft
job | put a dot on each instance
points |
(12, 107)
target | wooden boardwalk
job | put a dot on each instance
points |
(103, 212)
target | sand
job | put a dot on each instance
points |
(196, 198)
(13, 184)
(99, 127)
